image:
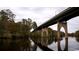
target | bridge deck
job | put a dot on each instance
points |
(62, 16)
(65, 15)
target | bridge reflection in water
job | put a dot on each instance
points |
(61, 19)
(22, 45)
(72, 46)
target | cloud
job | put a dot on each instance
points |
(73, 24)
(41, 15)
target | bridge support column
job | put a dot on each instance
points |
(64, 25)
(44, 34)
(66, 37)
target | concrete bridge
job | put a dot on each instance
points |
(61, 19)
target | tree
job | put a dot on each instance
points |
(6, 19)
(34, 25)
(7, 14)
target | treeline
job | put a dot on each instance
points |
(76, 34)
(17, 35)
(14, 35)
(46, 38)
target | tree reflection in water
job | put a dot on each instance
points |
(20, 44)
(77, 39)
(15, 44)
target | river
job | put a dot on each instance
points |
(73, 44)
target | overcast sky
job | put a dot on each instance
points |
(42, 14)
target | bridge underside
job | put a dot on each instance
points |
(64, 25)
(61, 19)
(62, 16)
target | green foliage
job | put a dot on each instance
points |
(11, 29)
(77, 35)
(51, 37)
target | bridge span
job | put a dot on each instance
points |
(60, 19)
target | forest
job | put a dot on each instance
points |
(17, 35)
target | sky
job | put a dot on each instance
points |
(41, 15)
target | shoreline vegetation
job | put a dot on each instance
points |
(14, 36)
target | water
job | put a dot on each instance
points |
(73, 44)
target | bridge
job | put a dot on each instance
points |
(60, 19)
